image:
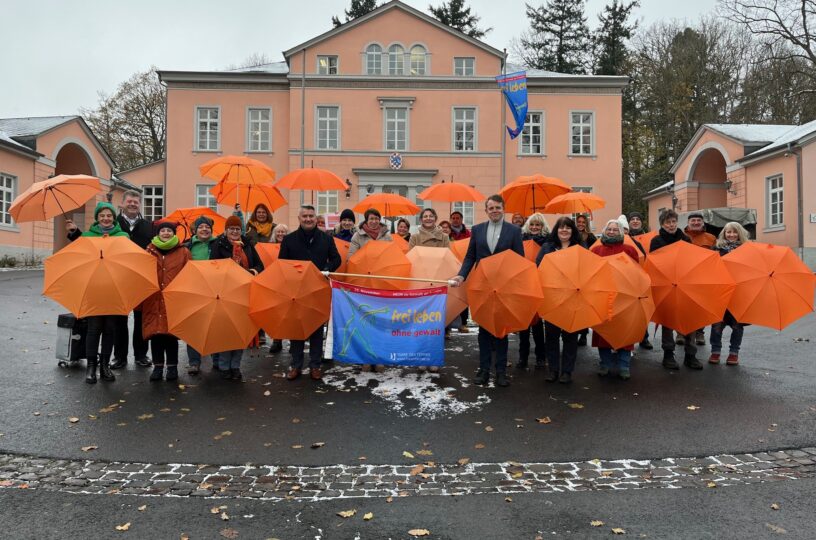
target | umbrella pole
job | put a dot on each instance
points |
(56, 200)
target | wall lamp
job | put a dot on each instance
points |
(348, 189)
(728, 186)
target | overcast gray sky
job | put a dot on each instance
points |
(57, 55)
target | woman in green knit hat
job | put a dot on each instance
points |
(199, 246)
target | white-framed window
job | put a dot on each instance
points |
(467, 212)
(464, 66)
(464, 129)
(327, 130)
(775, 201)
(205, 198)
(396, 60)
(582, 128)
(326, 65)
(582, 189)
(152, 202)
(531, 142)
(259, 129)
(418, 60)
(373, 60)
(208, 129)
(396, 128)
(327, 202)
(8, 192)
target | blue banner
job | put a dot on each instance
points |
(514, 88)
(400, 328)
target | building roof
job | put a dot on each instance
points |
(277, 68)
(794, 135)
(142, 166)
(32, 126)
(7, 142)
(751, 133)
(659, 190)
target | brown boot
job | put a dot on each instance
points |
(714, 358)
(315, 374)
(292, 374)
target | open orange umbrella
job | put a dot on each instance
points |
(438, 263)
(531, 249)
(503, 293)
(249, 196)
(268, 252)
(388, 204)
(576, 202)
(633, 307)
(312, 179)
(459, 248)
(629, 242)
(379, 258)
(237, 170)
(691, 286)
(578, 287)
(400, 241)
(342, 248)
(773, 286)
(451, 192)
(529, 194)
(100, 276)
(208, 306)
(186, 217)
(290, 299)
(55, 196)
(645, 240)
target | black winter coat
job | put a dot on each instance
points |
(142, 232)
(222, 249)
(664, 239)
(320, 249)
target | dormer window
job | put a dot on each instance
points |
(396, 60)
(373, 59)
(417, 60)
(327, 65)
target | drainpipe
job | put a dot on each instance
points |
(503, 177)
(302, 116)
(800, 211)
(164, 183)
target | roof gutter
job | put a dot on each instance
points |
(800, 211)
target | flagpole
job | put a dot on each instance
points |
(397, 278)
(503, 122)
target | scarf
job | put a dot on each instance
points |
(264, 229)
(636, 232)
(537, 238)
(373, 233)
(669, 237)
(238, 254)
(165, 246)
(98, 230)
(611, 240)
(728, 246)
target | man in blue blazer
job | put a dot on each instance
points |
(486, 239)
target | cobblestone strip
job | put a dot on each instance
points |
(421, 479)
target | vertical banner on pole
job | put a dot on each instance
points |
(514, 88)
(374, 326)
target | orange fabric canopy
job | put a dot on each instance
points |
(249, 196)
(379, 258)
(237, 170)
(531, 249)
(459, 248)
(451, 192)
(691, 286)
(438, 263)
(313, 180)
(578, 287)
(208, 306)
(186, 217)
(629, 242)
(342, 248)
(268, 252)
(388, 204)
(529, 194)
(645, 240)
(503, 293)
(55, 196)
(576, 202)
(400, 241)
(100, 276)
(633, 306)
(773, 286)
(290, 299)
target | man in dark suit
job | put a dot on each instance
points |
(486, 239)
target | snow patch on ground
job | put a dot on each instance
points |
(407, 392)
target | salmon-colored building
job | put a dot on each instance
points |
(392, 101)
(34, 149)
(767, 170)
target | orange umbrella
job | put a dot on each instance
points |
(576, 202)
(531, 249)
(529, 194)
(312, 179)
(438, 263)
(691, 286)
(237, 170)
(249, 196)
(290, 299)
(388, 204)
(186, 217)
(343, 248)
(503, 292)
(379, 258)
(208, 306)
(774, 287)
(629, 242)
(100, 276)
(268, 252)
(645, 240)
(451, 192)
(459, 248)
(400, 241)
(579, 289)
(55, 196)
(633, 307)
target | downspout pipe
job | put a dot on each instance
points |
(800, 210)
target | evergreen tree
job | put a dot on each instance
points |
(358, 8)
(455, 15)
(558, 39)
(611, 37)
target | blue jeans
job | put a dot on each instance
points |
(487, 344)
(736, 337)
(194, 358)
(608, 357)
(229, 359)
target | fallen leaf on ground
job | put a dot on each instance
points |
(124, 527)
(73, 419)
(165, 409)
(424, 452)
(222, 435)
(346, 513)
(224, 516)
(711, 484)
(296, 446)
(318, 444)
(145, 416)
(478, 446)
(508, 499)
(416, 470)
(89, 448)
(267, 393)
(692, 407)
(228, 533)
(369, 516)
(575, 406)
(296, 420)
(419, 532)
(408, 454)
(36, 413)
(596, 523)
(181, 387)
(774, 506)
(463, 461)
(489, 428)
(618, 530)
(544, 420)
(215, 510)
(142, 508)
(776, 528)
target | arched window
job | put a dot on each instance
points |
(417, 60)
(396, 60)
(373, 59)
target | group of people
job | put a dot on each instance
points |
(555, 348)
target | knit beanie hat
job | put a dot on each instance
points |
(696, 214)
(165, 224)
(636, 215)
(347, 214)
(624, 223)
(232, 221)
(101, 206)
(202, 220)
